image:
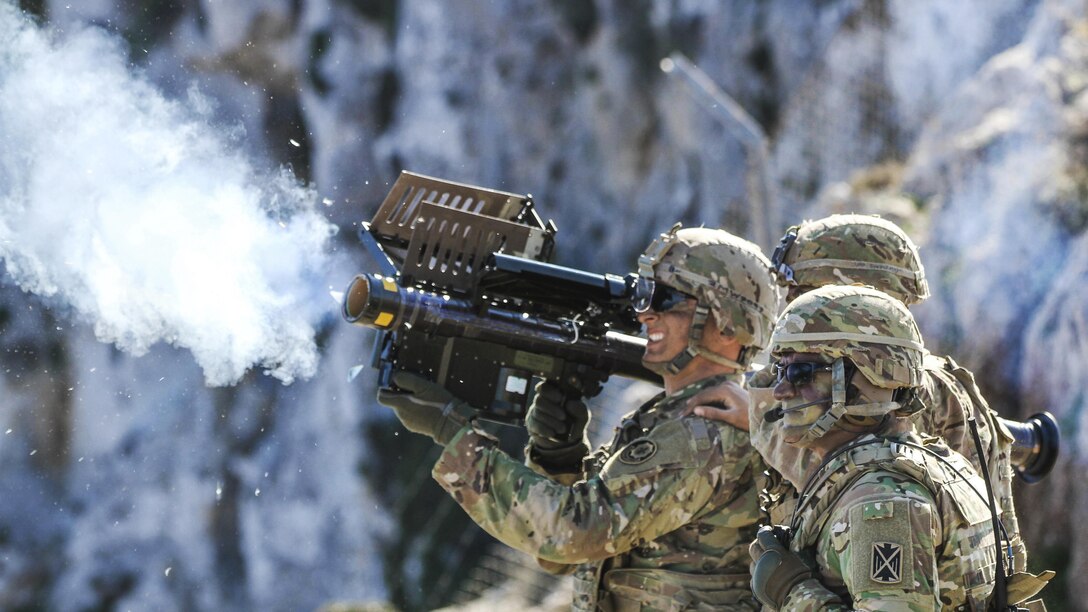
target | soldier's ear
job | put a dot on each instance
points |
(715, 338)
(861, 389)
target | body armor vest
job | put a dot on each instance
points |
(966, 555)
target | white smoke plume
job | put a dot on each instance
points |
(136, 214)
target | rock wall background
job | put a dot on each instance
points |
(131, 485)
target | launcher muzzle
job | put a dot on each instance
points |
(1035, 446)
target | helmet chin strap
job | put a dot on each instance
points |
(694, 349)
(839, 407)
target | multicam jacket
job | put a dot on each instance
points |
(952, 388)
(887, 526)
(662, 519)
(950, 397)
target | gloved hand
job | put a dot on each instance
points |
(425, 407)
(557, 428)
(775, 570)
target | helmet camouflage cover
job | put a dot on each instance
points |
(873, 330)
(727, 274)
(852, 249)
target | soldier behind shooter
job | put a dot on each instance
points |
(660, 518)
(883, 521)
(868, 250)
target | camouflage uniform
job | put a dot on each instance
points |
(951, 397)
(847, 249)
(661, 520)
(884, 524)
(948, 405)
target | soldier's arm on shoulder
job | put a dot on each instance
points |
(882, 542)
(648, 488)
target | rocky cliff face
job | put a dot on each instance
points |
(1001, 168)
(134, 485)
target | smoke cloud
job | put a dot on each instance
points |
(136, 214)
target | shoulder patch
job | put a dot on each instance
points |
(887, 563)
(881, 536)
(638, 451)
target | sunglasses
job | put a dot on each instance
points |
(799, 373)
(650, 295)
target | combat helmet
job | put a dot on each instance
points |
(727, 275)
(851, 249)
(870, 329)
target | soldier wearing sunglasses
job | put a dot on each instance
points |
(868, 250)
(661, 517)
(883, 521)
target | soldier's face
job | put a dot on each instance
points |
(667, 332)
(802, 401)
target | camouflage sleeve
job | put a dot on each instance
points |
(881, 544)
(652, 486)
(551, 567)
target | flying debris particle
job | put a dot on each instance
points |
(294, 143)
(8, 431)
(353, 372)
(168, 571)
(33, 452)
(326, 201)
(337, 296)
(219, 491)
(257, 493)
